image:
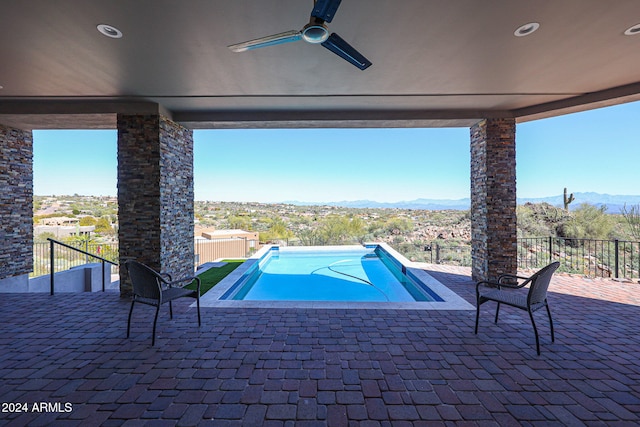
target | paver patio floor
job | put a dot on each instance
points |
(285, 367)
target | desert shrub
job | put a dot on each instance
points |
(398, 225)
(239, 222)
(587, 222)
(87, 220)
(334, 230)
(632, 218)
(42, 237)
(540, 219)
(103, 226)
(277, 230)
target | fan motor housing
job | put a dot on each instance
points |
(315, 32)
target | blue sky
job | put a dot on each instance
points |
(597, 150)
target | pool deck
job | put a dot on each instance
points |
(319, 367)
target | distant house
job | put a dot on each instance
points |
(230, 234)
(61, 231)
(213, 244)
(62, 227)
(60, 221)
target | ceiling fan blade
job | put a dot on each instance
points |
(286, 37)
(325, 9)
(337, 45)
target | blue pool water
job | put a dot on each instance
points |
(365, 274)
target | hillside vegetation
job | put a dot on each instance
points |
(421, 235)
(584, 222)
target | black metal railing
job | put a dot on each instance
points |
(66, 258)
(68, 255)
(594, 258)
(52, 260)
(590, 257)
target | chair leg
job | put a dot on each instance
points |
(535, 331)
(477, 316)
(553, 338)
(129, 321)
(497, 311)
(170, 310)
(155, 321)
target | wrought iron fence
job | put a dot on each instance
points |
(53, 244)
(65, 258)
(594, 258)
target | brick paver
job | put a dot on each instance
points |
(64, 360)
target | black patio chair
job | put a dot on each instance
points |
(533, 300)
(155, 289)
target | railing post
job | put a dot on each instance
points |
(550, 249)
(616, 246)
(102, 275)
(51, 264)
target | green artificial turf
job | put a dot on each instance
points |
(212, 276)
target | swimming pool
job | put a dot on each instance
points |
(357, 276)
(365, 274)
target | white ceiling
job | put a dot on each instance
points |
(435, 62)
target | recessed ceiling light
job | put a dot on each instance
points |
(632, 30)
(109, 31)
(526, 29)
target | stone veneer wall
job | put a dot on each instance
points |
(176, 198)
(16, 202)
(493, 199)
(155, 195)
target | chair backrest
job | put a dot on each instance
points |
(540, 283)
(147, 282)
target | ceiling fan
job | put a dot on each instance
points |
(314, 32)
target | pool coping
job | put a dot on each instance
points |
(452, 301)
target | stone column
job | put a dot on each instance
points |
(16, 207)
(155, 195)
(493, 199)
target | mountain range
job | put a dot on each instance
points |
(614, 203)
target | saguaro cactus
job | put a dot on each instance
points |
(567, 200)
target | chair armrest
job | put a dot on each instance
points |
(515, 278)
(164, 279)
(513, 285)
(499, 284)
(197, 279)
(191, 280)
(186, 281)
(487, 283)
(511, 276)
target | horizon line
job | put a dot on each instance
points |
(432, 199)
